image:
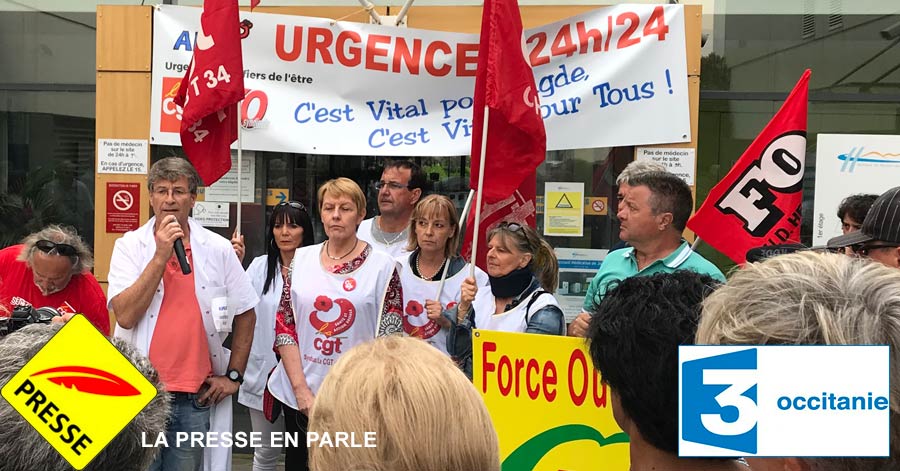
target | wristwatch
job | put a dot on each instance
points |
(235, 376)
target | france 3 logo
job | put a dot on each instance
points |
(784, 401)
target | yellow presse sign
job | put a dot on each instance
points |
(549, 407)
(78, 392)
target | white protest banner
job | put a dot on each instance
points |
(849, 164)
(611, 77)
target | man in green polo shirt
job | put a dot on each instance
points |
(653, 210)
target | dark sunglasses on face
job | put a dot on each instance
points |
(864, 249)
(293, 204)
(50, 248)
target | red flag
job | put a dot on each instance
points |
(254, 4)
(211, 89)
(758, 202)
(516, 142)
(518, 207)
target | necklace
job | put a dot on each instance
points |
(327, 254)
(384, 237)
(422, 275)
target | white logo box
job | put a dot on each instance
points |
(783, 373)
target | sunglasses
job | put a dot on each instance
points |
(863, 250)
(512, 227)
(50, 248)
(293, 204)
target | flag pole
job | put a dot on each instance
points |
(696, 242)
(484, 134)
(465, 213)
(237, 230)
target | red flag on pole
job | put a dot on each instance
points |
(513, 142)
(211, 89)
(518, 207)
(758, 202)
(517, 142)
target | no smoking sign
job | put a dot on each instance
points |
(122, 207)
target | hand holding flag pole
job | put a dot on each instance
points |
(506, 101)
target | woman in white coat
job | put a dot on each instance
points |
(433, 241)
(523, 273)
(342, 293)
(289, 228)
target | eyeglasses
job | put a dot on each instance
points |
(177, 192)
(293, 204)
(863, 250)
(49, 247)
(391, 185)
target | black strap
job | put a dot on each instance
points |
(531, 301)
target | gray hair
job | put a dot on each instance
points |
(813, 298)
(171, 169)
(22, 448)
(82, 261)
(638, 167)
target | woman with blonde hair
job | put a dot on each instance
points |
(433, 241)
(338, 294)
(424, 413)
(523, 273)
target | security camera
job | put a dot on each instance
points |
(891, 32)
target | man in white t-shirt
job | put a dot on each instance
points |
(401, 185)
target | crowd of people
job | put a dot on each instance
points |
(381, 313)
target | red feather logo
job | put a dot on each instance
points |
(89, 380)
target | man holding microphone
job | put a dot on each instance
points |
(177, 310)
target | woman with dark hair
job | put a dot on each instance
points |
(289, 228)
(523, 272)
(433, 241)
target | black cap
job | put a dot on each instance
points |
(882, 223)
(757, 254)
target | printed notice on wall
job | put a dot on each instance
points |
(226, 188)
(122, 156)
(211, 214)
(564, 209)
(679, 161)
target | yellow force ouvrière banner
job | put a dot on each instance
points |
(550, 408)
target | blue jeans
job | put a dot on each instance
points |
(187, 416)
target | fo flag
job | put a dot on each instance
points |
(516, 140)
(519, 207)
(758, 202)
(211, 89)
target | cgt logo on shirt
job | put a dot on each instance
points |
(424, 331)
(343, 314)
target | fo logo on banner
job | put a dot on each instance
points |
(78, 391)
(784, 401)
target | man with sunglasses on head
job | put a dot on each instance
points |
(879, 236)
(51, 268)
(402, 184)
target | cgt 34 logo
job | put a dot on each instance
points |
(253, 107)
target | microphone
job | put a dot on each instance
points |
(182, 257)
